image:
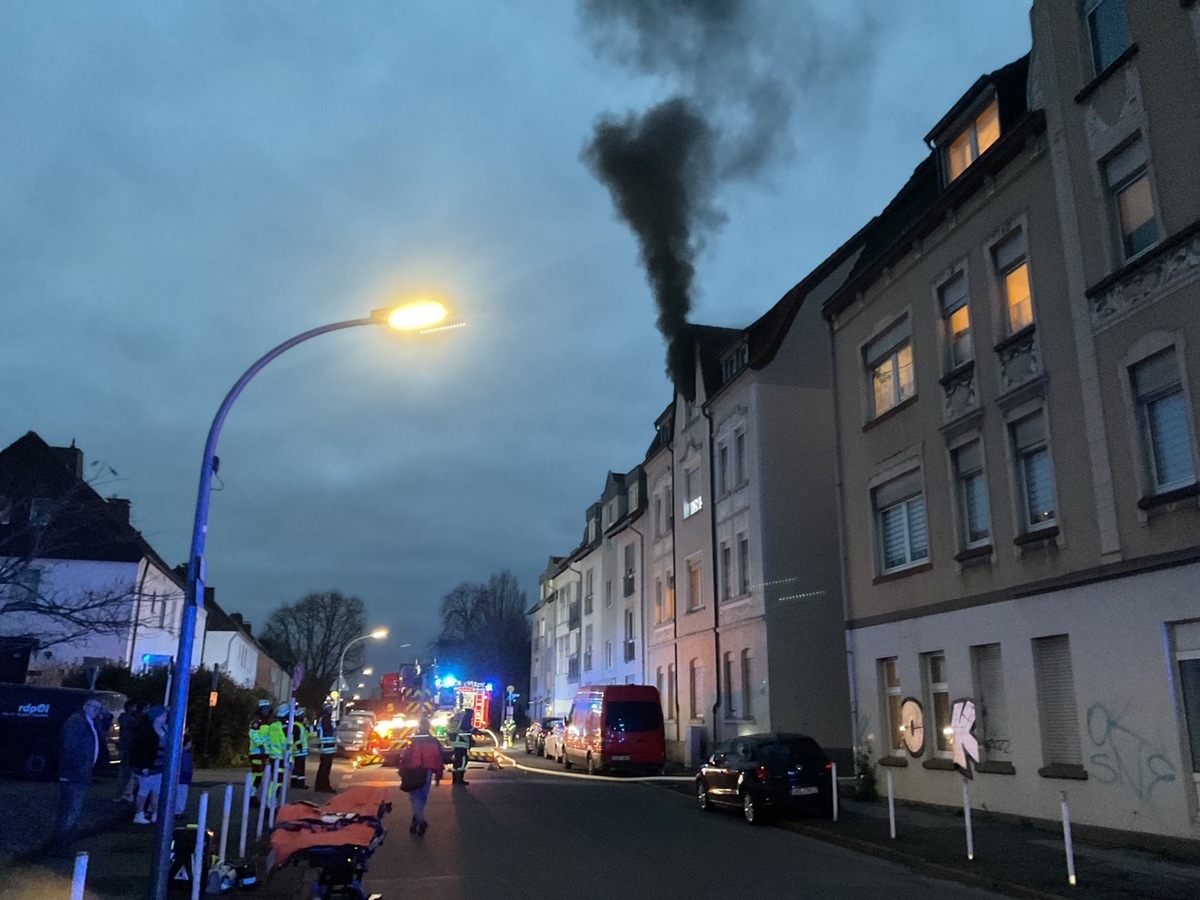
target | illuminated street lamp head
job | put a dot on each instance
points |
(414, 316)
(379, 633)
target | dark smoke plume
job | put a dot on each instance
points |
(741, 65)
(659, 169)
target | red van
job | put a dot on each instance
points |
(615, 726)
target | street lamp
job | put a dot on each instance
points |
(378, 634)
(422, 316)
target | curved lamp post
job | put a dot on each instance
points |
(421, 316)
(378, 634)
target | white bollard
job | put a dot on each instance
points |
(1070, 845)
(198, 850)
(891, 805)
(833, 776)
(267, 775)
(967, 819)
(246, 794)
(79, 877)
(271, 807)
(226, 810)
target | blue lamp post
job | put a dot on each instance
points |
(420, 316)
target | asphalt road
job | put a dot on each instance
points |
(513, 834)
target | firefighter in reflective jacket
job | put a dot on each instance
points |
(258, 746)
(277, 749)
(460, 743)
(299, 749)
(327, 747)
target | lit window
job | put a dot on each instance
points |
(980, 133)
(889, 674)
(1129, 186)
(1035, 475)
(1107, 31)
(1163, 420)
(956, 321)
(900, 522)
(972, 494)
(1012, 269)
(939, 702)
(889, 362)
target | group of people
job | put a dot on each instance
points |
(143, 753)
(270, 744)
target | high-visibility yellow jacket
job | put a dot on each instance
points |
(300, 739)
(258, 736)
(276, 740)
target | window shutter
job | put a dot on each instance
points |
(1125, 162)
(1029, 432)
(1010, 251)
(882, 346)
(892, 492)
(1057, 711)
(954, 293)
(1158, 373)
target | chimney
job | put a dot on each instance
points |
(71, 457)
(245, 626)
(119, 507)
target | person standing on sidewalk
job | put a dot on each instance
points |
(258, 747)
(299, 749)
(423, 752)
(80, 750)
(327, 747)
(127, 724)
(149, 757)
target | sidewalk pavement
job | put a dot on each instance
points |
(1021, 860)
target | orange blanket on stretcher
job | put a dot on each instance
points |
(352, 820)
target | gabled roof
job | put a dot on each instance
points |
(88, 527)
(922, 203)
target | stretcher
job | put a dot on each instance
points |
(337, 839)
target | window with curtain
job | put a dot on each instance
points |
(972, 494)
(1163, 421)
(901, 529)
(1127, 175)
(956, 321)
(1108, 32)
(1012, 273)
(889, 362)
(1035, 475)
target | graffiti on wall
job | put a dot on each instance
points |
(1124, 757)
(912, 726)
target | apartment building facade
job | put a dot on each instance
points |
(1015, 358)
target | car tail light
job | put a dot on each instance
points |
(828, 767)
(763, 773)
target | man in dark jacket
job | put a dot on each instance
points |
(77, 759)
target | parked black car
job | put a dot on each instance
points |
(535, 734)
(764, 773)
(31, 721)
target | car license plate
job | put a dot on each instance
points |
(803, 791)
(620, 759)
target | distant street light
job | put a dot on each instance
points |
(378, 634)
(422, 316)
(368, 671)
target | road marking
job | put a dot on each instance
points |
(504, 757)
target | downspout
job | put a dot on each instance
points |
(839, 487)
(642, 593)
(716, 575)
(137, 610)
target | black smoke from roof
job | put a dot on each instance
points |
(659, 168)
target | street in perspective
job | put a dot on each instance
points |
(647, 449)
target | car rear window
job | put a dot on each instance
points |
(788, 751)
(634, 715)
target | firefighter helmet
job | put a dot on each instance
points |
(284, 709)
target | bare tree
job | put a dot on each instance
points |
(314, 631)
(484, 631)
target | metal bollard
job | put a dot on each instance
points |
(967, 819)
(246, 794)
(79, 876)
(833, 776)
(1069, 844)
(198, 850)
(891, 805)
(226, 810)
(267, 775)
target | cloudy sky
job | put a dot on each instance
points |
(184, 185)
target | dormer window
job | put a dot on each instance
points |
(734, 362)
(966, 146)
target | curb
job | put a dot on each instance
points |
(636, 779)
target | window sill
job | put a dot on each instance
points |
(902, 573)
(939, 765)
(1068, 771)
(898, 762)
(1167, 497)
(1092, 86)
(1016, 337)
(974, 555)
(996, 768)
(1033, 538)
(960, 374)
(888, 413)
